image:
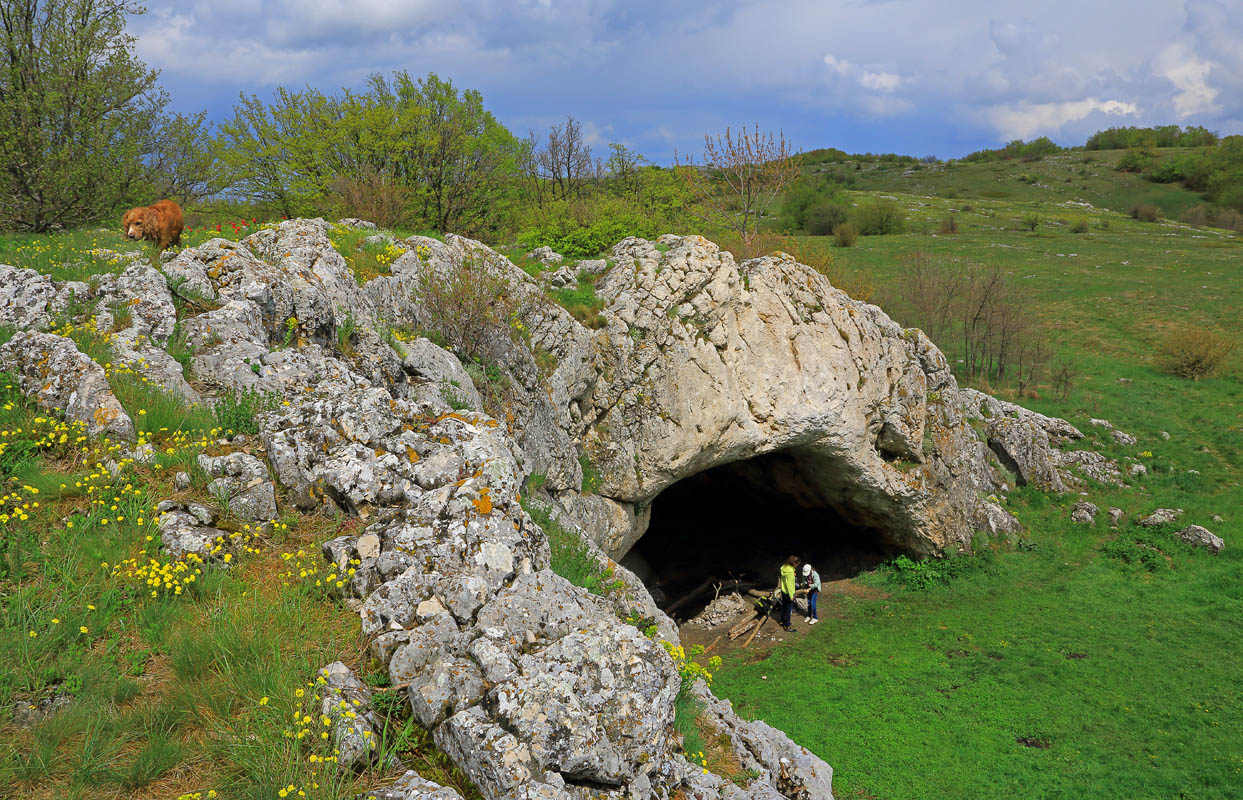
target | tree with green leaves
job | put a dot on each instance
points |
(450, 157)
(82, 128)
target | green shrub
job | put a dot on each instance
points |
(1136, 159)
(1079, 226)
(879, 218)
(845, 235)
(1145, 212)
(929, 572)
(575, 239)
(1191, 352)
(1030, 222)
(239, 411)
(823, 217)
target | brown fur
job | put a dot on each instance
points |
(160, 223)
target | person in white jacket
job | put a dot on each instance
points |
(811, 582)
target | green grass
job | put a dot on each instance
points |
(173, 691)
(1119, 649)
(581, 301)
(1073, 176)
(367, 261)
(571, 558)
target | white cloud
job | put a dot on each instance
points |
(1194, 96)
(880, 81)
(839, 66)
(992, 70)
(1028, 120)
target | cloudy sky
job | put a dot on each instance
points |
(941, 77)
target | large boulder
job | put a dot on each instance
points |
(52, 370)
(1198, 536)
(31, 301)
(705, 362)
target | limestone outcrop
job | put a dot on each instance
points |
(705, 362)
(534, 687)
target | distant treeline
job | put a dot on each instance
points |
(1216, 171)
(1159, 136)
(1109, 139)
(831, 155)
(1034, 150)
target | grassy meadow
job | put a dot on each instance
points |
(1074, 661)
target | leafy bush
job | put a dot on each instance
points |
(846, 234)
(879, 218)
(929, 572)
(823, 218)
(949, 224)
(585, 229)
(239, 412)
(1195, 353)
(1145, 212)
(470, 307)
(1030, 222)
(1079, 226)
(1136, 159)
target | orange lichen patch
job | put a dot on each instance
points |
(412, 454)
(484, 503)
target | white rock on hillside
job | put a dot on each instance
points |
(535, 688)
(50, 369)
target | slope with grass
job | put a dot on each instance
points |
(1073, 661)
(1078, 176)
(131, 674)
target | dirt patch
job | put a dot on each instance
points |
(1034, 741)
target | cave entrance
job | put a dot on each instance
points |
(740, 521)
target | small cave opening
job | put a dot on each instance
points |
(739, 522)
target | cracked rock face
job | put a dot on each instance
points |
(242, 484)
(534, 687)
(50, 369)
(29, 301)
(705, 362)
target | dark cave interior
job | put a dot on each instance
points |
(740, 521)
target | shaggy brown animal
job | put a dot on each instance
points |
(160, 223)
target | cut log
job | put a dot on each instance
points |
(742, 627)
(757, 630)
(715, 642)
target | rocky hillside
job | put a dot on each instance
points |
(535, 687)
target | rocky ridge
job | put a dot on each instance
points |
(534, 687)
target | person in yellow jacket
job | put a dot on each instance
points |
(785, 589)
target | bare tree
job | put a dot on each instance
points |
(979, 311)
(740, 177)
(564, 164)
